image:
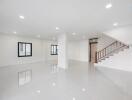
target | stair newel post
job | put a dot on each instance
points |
(96, 55)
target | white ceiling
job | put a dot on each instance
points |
(85, 17)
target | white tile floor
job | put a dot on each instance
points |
(47, 82)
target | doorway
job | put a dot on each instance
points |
(93, 49)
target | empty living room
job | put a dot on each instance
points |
(65, 49)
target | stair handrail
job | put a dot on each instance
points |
(113, 47)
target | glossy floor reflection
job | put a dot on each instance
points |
(41, 81)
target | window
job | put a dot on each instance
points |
(54, 49)
(24, 49)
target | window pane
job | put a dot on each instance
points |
(53, 49)
(28, 49)
(22, 49)
(56, 49)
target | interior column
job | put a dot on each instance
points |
(62, 51)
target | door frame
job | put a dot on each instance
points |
(92, 41)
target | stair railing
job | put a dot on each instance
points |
(110, 50)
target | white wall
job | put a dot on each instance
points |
(73, 50)
(9, 50)
(84, 51)
(123, 34)
(78, 50)
(104, 41)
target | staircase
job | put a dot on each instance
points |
(110, 50)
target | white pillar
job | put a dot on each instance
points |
(62, 51)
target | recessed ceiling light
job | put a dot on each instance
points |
(38, 91)
(74, 33)
(115, 24)
(108, 6)
(73, 98)
(83, 89)
(15, 32)
(21, 17)
(57, 28)
(38, 36)
(53, 84)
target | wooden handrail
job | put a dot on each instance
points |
(108, 45)
(110, 49)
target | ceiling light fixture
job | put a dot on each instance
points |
(115, 24)
(53, 84)
(21, 17)
(57, 28)
(38, 91)
(73, 98)
(108, 5)
(83, 89)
